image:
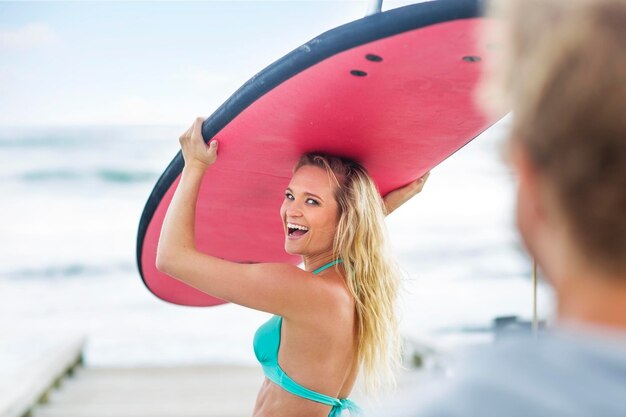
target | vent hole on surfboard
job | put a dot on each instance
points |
(373, 58)
(358, 73)
(471, 58)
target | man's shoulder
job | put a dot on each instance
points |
(556, 374)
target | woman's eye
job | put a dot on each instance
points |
(312, 201)
(289, 196)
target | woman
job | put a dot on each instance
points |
(331, 318)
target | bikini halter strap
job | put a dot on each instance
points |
(328, 265)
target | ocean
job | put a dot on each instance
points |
(70, 206)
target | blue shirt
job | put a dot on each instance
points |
(571, 372)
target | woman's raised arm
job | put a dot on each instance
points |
(275, 288)
(399, 196)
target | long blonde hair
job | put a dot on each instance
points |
(372, 275)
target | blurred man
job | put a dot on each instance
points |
(564, 76)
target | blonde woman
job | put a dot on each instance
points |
(332, 318)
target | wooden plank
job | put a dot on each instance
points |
(198, 391)
(31, 367)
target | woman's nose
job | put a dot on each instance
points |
(294, 210)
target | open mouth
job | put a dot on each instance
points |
(296, 230)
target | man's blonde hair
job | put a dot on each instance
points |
(564, 76)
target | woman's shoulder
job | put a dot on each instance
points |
(331, 302)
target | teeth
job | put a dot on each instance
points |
(297, 226)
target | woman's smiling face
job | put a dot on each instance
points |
(309, 212)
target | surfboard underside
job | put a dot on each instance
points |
(399, 104)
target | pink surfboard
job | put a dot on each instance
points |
(394, 91)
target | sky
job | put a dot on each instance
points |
(145, 62)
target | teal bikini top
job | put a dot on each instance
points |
(266, 345)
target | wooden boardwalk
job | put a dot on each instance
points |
(198, 391)
(45, 378)
(50, 382)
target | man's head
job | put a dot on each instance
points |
(564, 76)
